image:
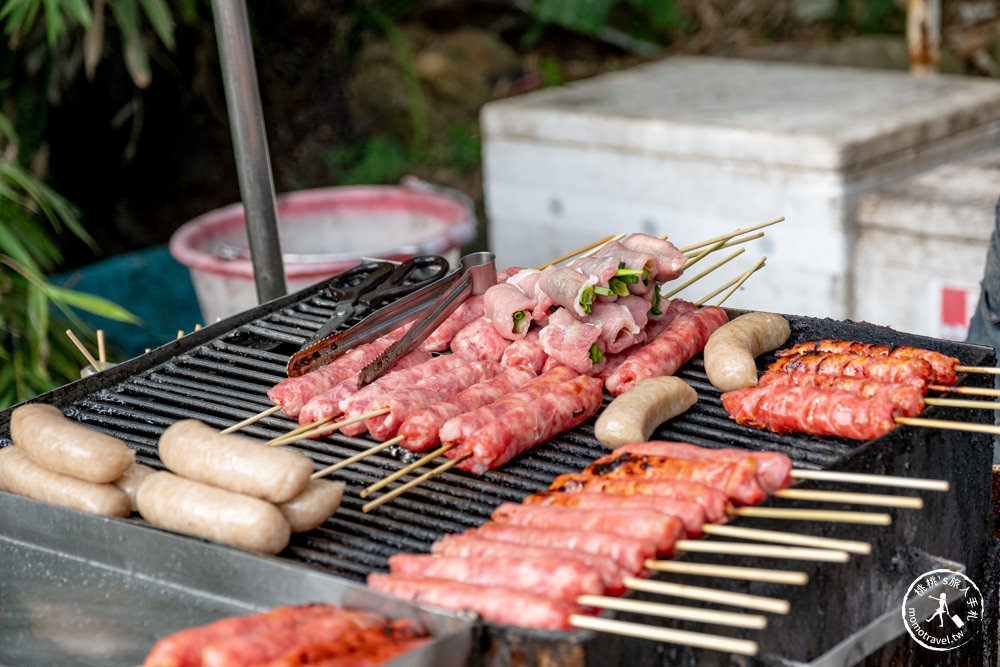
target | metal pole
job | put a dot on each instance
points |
(253, 164)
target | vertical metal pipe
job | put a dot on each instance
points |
(923, 35)
(253, 164)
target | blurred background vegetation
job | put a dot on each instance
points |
(113, 126)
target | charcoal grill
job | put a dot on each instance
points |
(220, 375)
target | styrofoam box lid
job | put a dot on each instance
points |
(772, 113)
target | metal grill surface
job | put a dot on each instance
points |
(220, 375)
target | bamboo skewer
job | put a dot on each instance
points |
(250, 420)
(406, 470)
(731, 242)
(909, 502)
(972, 391)
(83, 350)
(101, 351)
(399, 490)
(781, 537)
(738, 279)
(357, 457)
(293, 436)
(729, 572)
(762, 550)
(737, 232)
(596, 249)
(698, 256)
(960, 403)
(773, 605)
(950, 425)
(868, 518)
(703, 274)
(576, 252)
(667, 635)
(978, 369)
(884, 480)
(742, 279)
(698, 614)
(301, 429)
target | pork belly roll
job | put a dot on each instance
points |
(527, 280)
(568, 288)
(669, 260)
(573, 343)
(636, 270)
(619, 330)
(479, 340)
(509, 309)
(439, 339)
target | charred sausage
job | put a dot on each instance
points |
(20, 475)
(186, 506)
(313, 506)
(634, 415)
(731, 351)
(49, 439)
(233, 462)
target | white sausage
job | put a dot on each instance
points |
(313, 506)
(634, 415)
(731, 349)
(21, 475)
(168, 501)
(199, 452)
(131, 479)
(49, 439)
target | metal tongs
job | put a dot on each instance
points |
(433, 303)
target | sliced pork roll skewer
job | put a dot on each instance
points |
(574, 343)
(509, 309)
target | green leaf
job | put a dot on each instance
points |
(79, 10)
(13, 247)
(136, 60)
(160, 18)
(91, 303)
(38, 337)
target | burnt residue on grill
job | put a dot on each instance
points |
(220, 375)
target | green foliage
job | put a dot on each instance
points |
(647, 19)
(47, 44)
(34, 355)
(386, 160)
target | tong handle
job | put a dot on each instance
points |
(371, 273)
(395, 286)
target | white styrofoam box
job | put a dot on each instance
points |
(921, 247)
(695, 147)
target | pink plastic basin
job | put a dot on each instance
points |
(323, 231)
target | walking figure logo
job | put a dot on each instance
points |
(950, 618)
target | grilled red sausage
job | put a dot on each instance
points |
(498, 604)
(816, 411)
(563, 580)
(773, 469)
(691, 515)
(884, 369)
(736, 479)
(660, 529)
(712, 500)
(943, 365)
(909, 399)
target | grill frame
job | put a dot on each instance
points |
(220, 374)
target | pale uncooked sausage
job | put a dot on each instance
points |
(313, 506)
(51, 440)
(21, 475)
(168, 501)
(731, 351)
(233, 462)
(634, 415)
(131, 479)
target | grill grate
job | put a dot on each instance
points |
(220, 375)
